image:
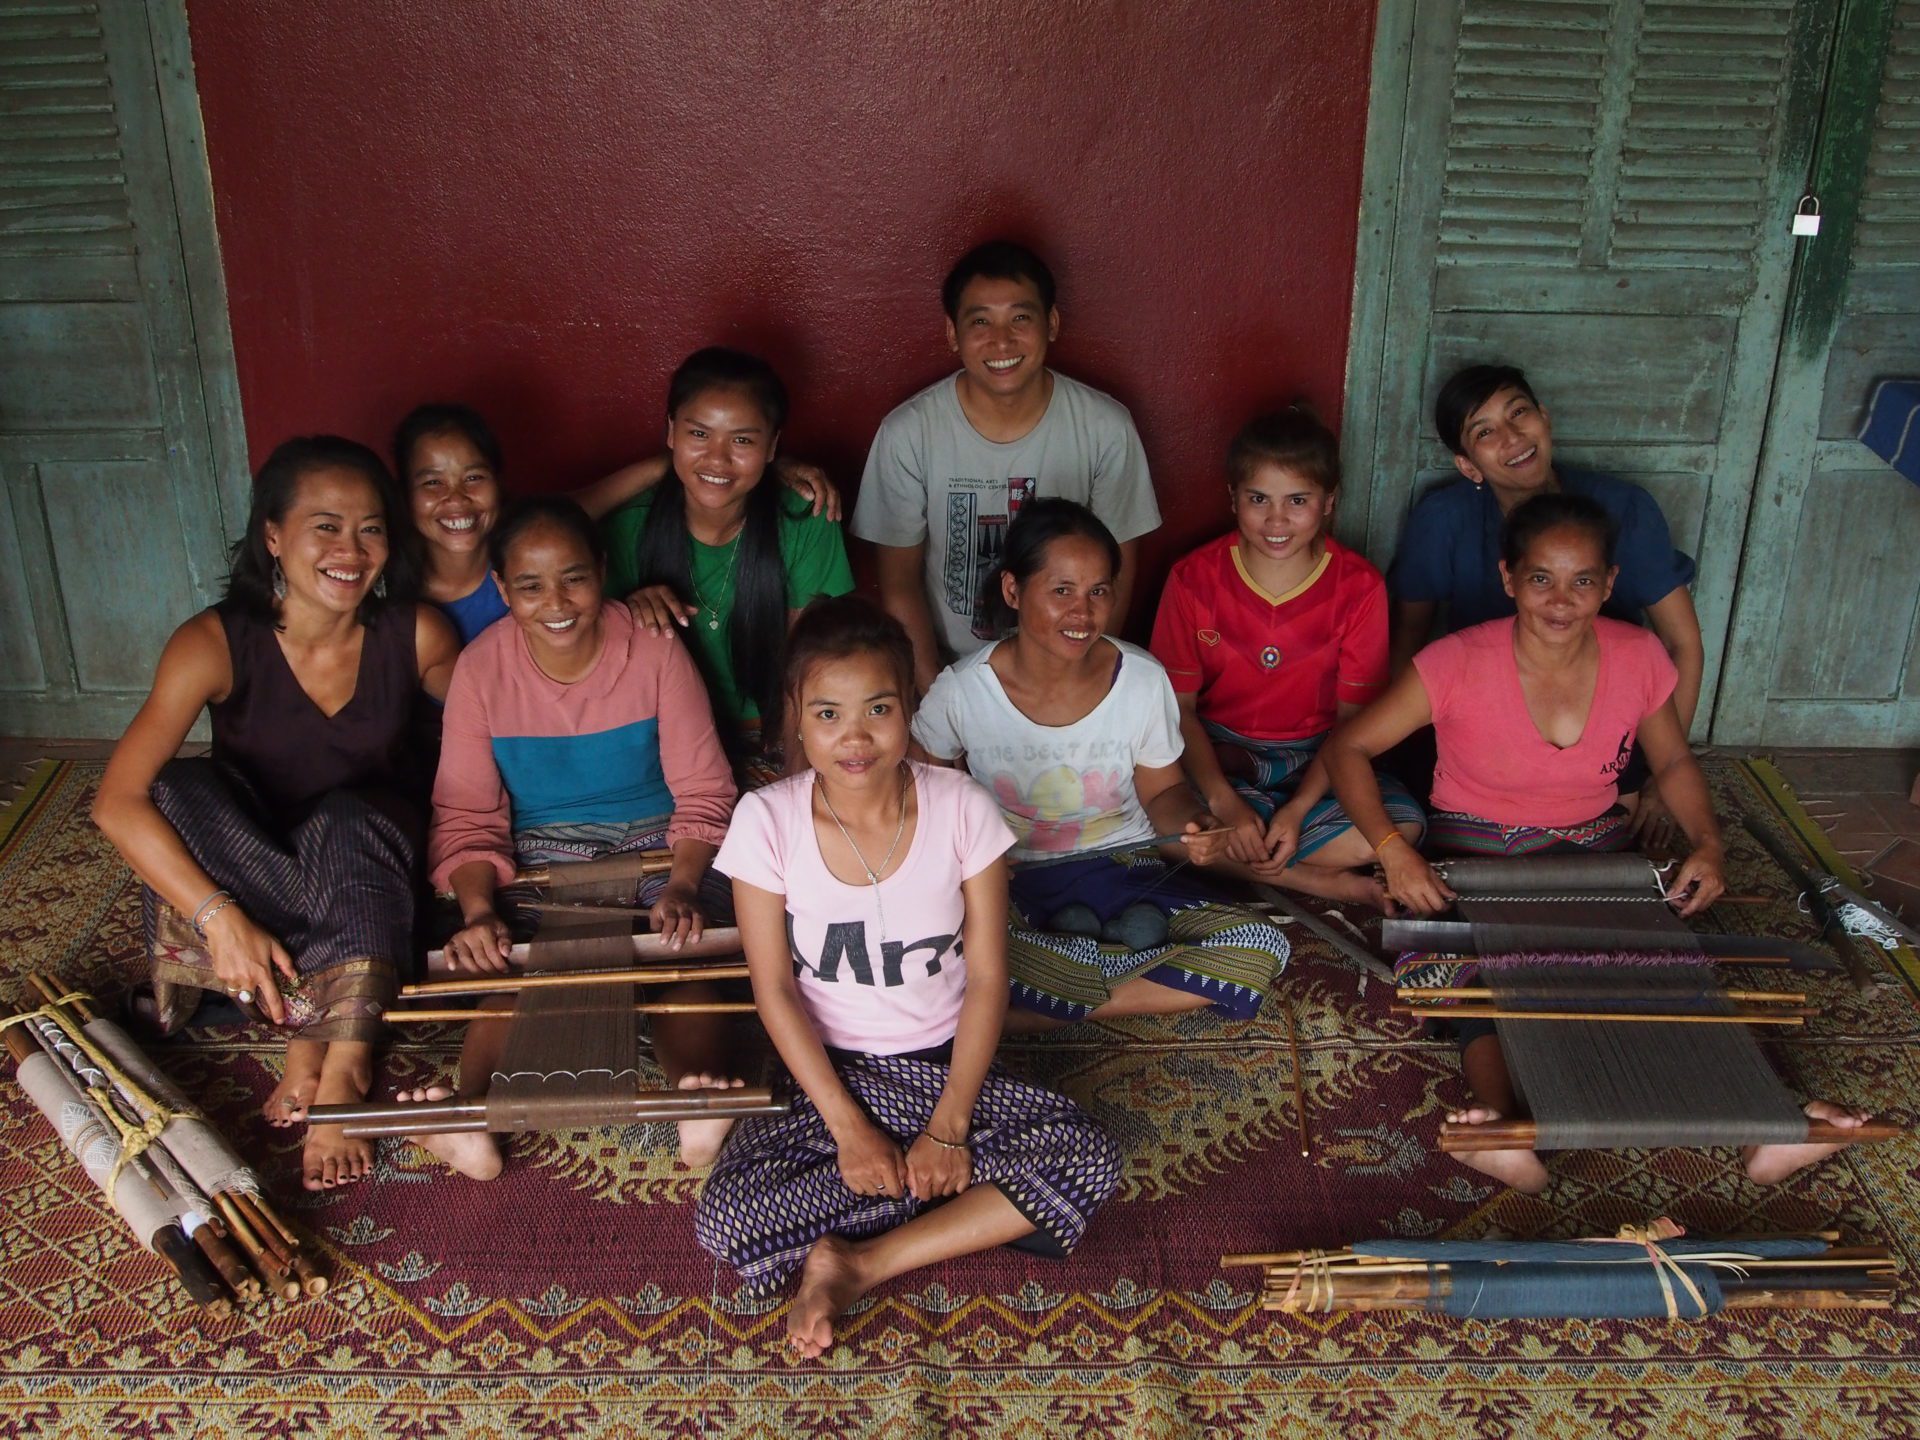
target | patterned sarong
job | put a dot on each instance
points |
(1225, 952)
(1266, 773)
(336, 889)
(776, 1187)
(1451, 833)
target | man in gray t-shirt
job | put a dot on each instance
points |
(952, 466)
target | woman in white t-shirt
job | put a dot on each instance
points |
(1078, 737)
(871, 895)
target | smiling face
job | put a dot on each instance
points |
(332, 543)
(453, 491)
(1560, 584)
(722, 445)
(1000, 331)
(1281, 513)
(1509, 444)
(553, 588)
(853, 720)
(1064, 605)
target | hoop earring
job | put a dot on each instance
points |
(380, 588)
(279, 580)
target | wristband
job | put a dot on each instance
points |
(1387, 839)
(201, 909)
(206, 920)
(944, 1144)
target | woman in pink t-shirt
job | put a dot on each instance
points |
(1534, 718)
(871, 895)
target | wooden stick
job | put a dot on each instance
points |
(225, 1258)
(277, 1278)
(718, 940)
(1493, 1012)
(282, 1243)
(652, 862)
(1520, 1135)
(197, 1277)
(1416, 994)
(510, 984)
(666, 1007)
(585, 907)
(1299, 1094)
(462, 1115)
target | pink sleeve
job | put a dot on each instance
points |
(981, 833)
(472, 819)
(691, 759)
(1362, 671)
(1438, 666)
(1175, 633)
(753, 851)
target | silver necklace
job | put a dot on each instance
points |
(713, 613)
(873, 875)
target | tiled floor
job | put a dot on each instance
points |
(1865, 799)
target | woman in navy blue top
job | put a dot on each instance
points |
(1502, 443)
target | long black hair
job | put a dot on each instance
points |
(663, 555)
(250, 578)
(1024, 551)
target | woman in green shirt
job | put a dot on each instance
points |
(725, 559)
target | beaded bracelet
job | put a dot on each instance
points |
(945, 1144)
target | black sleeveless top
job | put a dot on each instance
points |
(272, 732)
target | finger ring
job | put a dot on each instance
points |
(245, 997)
(232, 991)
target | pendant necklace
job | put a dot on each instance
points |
(713, 614)
(873, 875)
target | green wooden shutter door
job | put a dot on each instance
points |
(111, 530)
(1823, 647)
(1597, 191)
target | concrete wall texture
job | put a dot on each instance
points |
(540, 206)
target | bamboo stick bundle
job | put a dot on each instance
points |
(1641, 1273)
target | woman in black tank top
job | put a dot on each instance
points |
(279, 870)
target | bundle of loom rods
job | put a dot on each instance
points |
(176, 1181)
(1639, 1274)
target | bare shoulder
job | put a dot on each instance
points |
(434, 639)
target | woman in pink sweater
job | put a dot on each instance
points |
(570, 734)
(1534, 718)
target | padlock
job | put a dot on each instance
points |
(1806, 216)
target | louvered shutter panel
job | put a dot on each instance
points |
(63, 179)
(1595, 190)
(1889, 234)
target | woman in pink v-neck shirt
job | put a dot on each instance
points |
(1533, 719)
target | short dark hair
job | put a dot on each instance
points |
(1533, 518)
(839, 627)
(718, 367)
(1294, 439)
(996, 260)
(442, 417)
(250, 576)
(559, 511)
(1024, 551)
(1466, 390)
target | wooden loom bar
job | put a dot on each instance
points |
(464, 1116)
(1415, 994)
(720, 940)
(1494, 1012)
(652, 862)
(570, 980)
(664, 1007)
(1520, 1135)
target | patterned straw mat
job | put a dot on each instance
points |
(568, 1297)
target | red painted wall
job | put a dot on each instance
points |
(540, 206)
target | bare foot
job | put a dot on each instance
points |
(288, 1103)
(1770, 1164)
(1519, 1169)
(330, 1159)
(474, 1154)
(700, 1140)
(1345, 887)
(829, 1283)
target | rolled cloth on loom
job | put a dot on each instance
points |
(1620, 1084)
(203, 1152)
(611, 878)
(134, 1198)
(1553, 875)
